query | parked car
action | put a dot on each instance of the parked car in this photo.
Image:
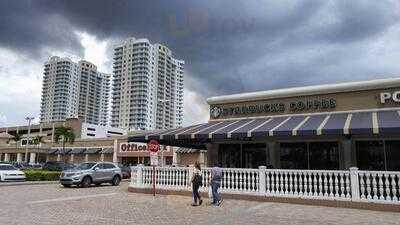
(9, 173)
(20, 165)
(57, 166)
(89, 173)
(125, 170)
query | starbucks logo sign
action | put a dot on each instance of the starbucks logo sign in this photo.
(216, 112)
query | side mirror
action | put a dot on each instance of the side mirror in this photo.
(96, 168)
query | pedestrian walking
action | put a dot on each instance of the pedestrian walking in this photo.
(215, 180)
(197, 181)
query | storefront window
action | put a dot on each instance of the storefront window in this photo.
(229, 155)
(323, 156)
(129, 161)
(168, 160)
(293, 155)
(254, 155)
(370, 155)
(392, 150)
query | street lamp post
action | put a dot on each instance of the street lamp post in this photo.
(29, 119)
(162, 150)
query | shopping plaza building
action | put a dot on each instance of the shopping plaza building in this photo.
(333, 126)
(92, 143)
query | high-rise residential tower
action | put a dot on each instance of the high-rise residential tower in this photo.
(147, 86)
(74, 90)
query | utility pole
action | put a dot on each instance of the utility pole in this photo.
(162, 151)
(29, 119)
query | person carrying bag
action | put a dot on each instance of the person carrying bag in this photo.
(197, 182)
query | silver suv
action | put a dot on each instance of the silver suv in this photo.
(89, 173)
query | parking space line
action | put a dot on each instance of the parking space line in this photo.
(71, 198)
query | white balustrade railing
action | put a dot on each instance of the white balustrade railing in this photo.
(323, 184)
(379, 186)
(346, 185)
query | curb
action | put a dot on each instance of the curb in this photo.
(6, 184)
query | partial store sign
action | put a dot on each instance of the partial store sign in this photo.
(138, 147)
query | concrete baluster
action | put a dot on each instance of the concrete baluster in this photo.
(336, 180)
(380, 183)
(394, 190)
(374, 186)
(295, 183)
(325, 184)
(387, 184)
(347, 182)
(341, 180)
(320, 193)
(300, 183)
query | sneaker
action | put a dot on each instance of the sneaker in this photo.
(194, 204)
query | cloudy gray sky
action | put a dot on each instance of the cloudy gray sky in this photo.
(229, 46)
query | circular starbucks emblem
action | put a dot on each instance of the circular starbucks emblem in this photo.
(216, 112)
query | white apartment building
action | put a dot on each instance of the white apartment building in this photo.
(147, 86)
(74, 90)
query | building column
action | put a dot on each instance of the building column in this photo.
(115, 157)
(32, 158)
(202, 158)
(6, 157)
(58, 157)
(71, 158)
(175, 160)
(86, 157)
(346, 161)
(212, 154)
(274, 154)
(102, 157)
(19, 157)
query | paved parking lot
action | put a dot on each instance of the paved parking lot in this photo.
(53, 204)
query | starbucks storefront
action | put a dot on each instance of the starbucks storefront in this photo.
(325, 127)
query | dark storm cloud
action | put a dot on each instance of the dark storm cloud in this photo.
(229, 46)
(26, 27)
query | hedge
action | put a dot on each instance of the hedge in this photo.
(41, 175)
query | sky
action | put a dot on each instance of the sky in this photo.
(228, 46)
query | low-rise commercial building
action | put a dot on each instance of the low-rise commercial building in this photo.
(333, 126)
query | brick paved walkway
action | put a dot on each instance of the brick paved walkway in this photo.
(52, 204)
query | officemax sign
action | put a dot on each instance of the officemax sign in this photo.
(137, 147)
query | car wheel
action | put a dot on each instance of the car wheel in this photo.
(66, 185)
(116, 180)
(86, 182)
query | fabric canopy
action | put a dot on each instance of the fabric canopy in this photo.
(107, 151)
(92, 150)
(187, 150)
(60, 151)
(77, 151)
(345, 123)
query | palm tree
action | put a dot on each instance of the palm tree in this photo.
(16, 137)
(37, 140)
(65, 135)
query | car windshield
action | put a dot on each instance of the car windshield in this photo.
(85, 166)
(7, 167)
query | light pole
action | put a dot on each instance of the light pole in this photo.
(162, 150)
(29, 119)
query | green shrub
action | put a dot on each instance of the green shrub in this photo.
(41, 175)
